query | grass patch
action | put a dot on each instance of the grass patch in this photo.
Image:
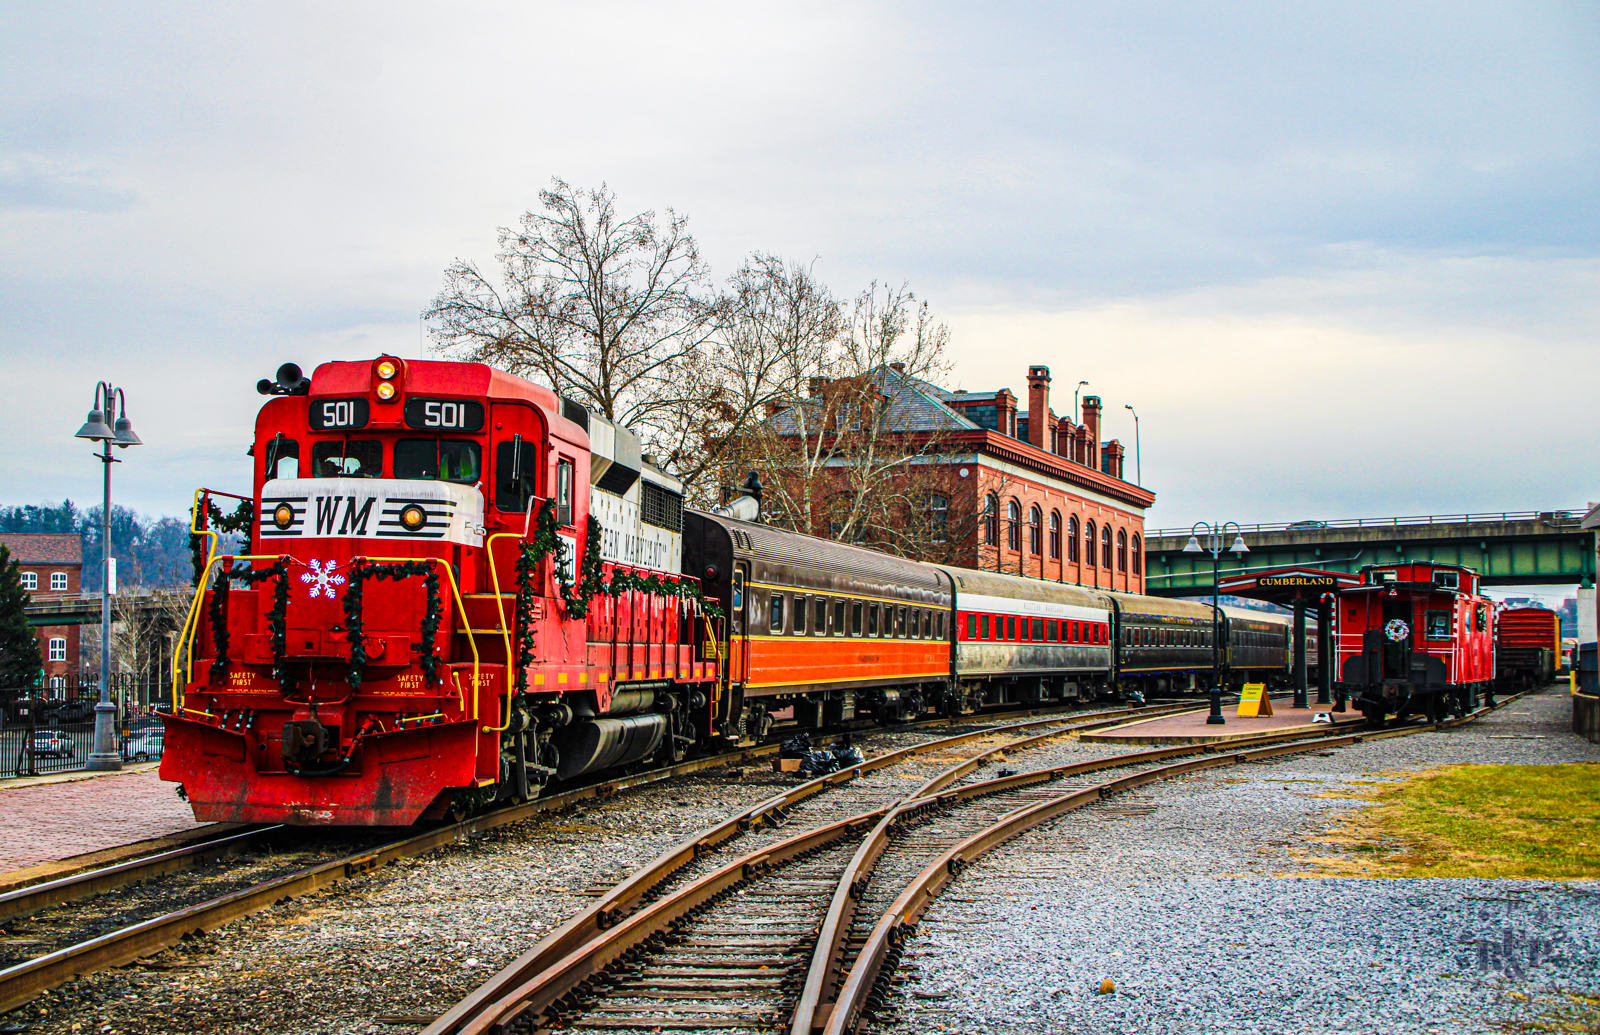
(1530, 821)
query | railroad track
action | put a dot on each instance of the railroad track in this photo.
(803, 933)
(21, 982)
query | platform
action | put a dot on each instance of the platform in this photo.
(47, 820)
(1191, 727)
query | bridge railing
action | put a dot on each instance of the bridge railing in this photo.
(1554, 517)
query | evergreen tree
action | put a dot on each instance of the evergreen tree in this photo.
(19, 647)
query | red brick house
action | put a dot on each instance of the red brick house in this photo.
(51, 567)
(1049, 496)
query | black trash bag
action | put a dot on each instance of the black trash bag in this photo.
(797, 746)
(846, 755)
(818, 763)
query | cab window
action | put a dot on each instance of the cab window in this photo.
(516, 474)
(564, 492)
(440, 459)
(361, 458)
(283, 458)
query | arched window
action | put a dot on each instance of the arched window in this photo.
(1072, 538)
(1035, 531)
(1055, 535)
(1138, 556)
(939, 517)
(1105, 547)
(1089, 549)
(991, 519)
(1013, 525)
(1122, 550)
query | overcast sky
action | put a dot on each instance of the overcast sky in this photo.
(1342, 257)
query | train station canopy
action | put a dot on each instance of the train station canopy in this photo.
(1287, 586)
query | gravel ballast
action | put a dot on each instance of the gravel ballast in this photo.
(384, 953)
(1177, 893)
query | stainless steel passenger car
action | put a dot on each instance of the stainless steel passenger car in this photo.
(1020, 639)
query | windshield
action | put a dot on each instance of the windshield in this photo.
(358, 459)
(445, 459)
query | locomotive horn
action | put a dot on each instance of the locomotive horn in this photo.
(264, 386)
(292, 380)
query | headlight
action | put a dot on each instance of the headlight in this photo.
(413, 518)
(387, 370)
(283, 516)
(385, 391)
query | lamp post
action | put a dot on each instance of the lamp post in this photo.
(1077, 418)
(107, 401)
(1215, 534)
(1138, 456)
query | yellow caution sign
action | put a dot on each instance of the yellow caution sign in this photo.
(1254, 702)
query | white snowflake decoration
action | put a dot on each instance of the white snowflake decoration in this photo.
(323, 580)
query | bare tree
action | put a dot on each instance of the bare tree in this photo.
(849, 448)
(776, 323)
(611, 311)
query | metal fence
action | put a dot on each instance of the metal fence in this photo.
(50, 729)
(1555, 517)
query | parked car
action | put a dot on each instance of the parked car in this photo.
(1309, 524)
(142, 747)
(53, 744)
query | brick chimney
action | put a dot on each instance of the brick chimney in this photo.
(1111, 458)
(1039, 407)
(815, 385)
(1065, 431)
(1091, 428)
(1005, 405)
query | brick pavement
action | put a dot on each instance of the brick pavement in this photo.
(45, 822)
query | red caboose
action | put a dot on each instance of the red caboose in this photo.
(1415, 638)
(457, 588)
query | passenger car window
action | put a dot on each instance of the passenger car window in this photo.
(1011, 628)
(820, 627)
(362, 458)
(872, 619)
(983, 627)
(839, 628)
(775, 623)
(855, 619)
(1038, 629)
(938, 627)
(441, 459)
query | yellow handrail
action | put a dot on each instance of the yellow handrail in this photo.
(472, 640)
(191, 624)
(494, 580)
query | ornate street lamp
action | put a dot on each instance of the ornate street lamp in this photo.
(107, 401)
(1215, 535)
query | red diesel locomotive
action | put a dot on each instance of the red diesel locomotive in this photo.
(1415, 639)
(457, 586)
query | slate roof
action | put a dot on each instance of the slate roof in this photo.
(43, 548)
(914, 405)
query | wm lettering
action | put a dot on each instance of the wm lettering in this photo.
(355, 517)
(355, 521)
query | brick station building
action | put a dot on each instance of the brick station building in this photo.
(52, 568)
(1049, 497)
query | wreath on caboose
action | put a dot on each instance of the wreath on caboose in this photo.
(1397, 629)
